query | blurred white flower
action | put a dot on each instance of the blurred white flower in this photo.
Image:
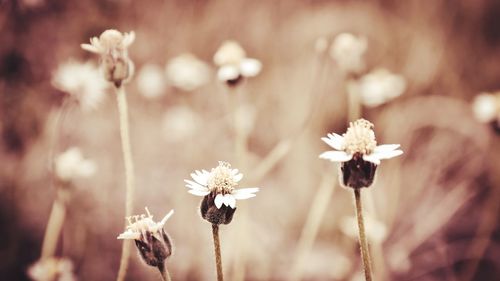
(378, 87)
(486, 107)
(82, 81)
(376, 231)
(180, 123)
(187, 72)
(151, 81)
(321, 44)
(71, 164)
(347, 50)
(138, 226)
(112, 46)
(221, 182)
(358, 141)
(52, 269)
(233, 63)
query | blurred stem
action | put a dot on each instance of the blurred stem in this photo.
(129, 174)
(313, 222)
(218, 259)
(165, 275)
(354, 101)
(54, 226)
(363, 244)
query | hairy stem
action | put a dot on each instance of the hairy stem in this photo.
(129, 174)
(218, 259)
(363, 244)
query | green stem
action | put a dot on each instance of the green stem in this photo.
(363, 244)
(218, 259)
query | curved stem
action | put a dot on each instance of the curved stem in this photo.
(129, 174)
(218, 259)
(363, 244)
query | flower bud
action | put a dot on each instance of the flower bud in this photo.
(214, 215)
(357, 173)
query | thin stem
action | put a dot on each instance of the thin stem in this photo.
(54, 226)
(165, 275)
(129, 174)
(218, 259)
(363, 244)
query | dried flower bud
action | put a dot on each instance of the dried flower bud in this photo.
(151, 240)
(112, 45)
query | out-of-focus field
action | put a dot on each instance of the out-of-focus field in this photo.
(435, 208)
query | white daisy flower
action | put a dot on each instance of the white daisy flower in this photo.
(378, 87)
(486, 107)
(358, 141)
(139, 225)
(52, 269)
(113, 46)
(221, 181)
(151, 82)
(187, 72)
(71, 165)
(233, 63)
(82, 81)
(347, 50)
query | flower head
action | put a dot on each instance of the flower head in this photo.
(378, 87)
(151, 240)
(187, 72)
(219, 190)
(113, 46)
(347, 50)
(233, 63)
(71, 164)
(52, 269)
(82, 81)
(486, 107)
(358, 153)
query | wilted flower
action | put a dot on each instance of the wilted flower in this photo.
(187, 72)
(71, 164)
(358, 153)
(486, 107)
(233, 63)
(347, 50)
(378, 87)
(82, 81)
(151, 81)
(113, 46)
(52, 269)
(180, 123)
(151, 240)
(218, 189)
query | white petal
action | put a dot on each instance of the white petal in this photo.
(195, 186)
(90, 48)
(167, 216)
(198, 192)
(334, 140)
(245, 193)
(230, 201)
(227, 73)
(238, 177)
(336, 156)
(129, 235)
(386, 147)
(250, 67)
(371, 158)
(219, 199)
(201, 177)
(387, 154)
(129, 38)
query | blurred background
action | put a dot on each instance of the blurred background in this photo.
(433, 212)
